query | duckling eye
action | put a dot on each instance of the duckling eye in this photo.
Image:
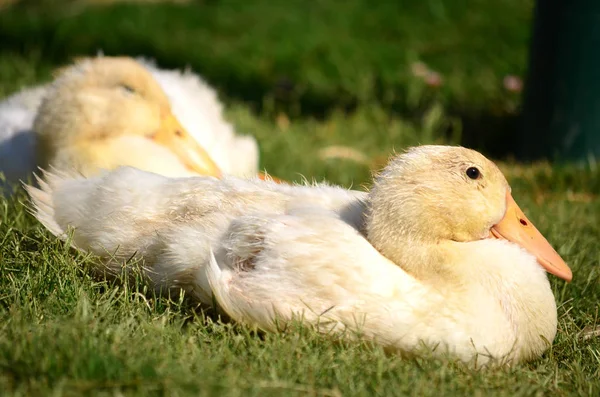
(473, 173)
(127, 88)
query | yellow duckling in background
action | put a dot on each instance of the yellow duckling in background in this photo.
(437, 254)
(107, 112)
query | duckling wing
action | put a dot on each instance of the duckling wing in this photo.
(118, 208)
(309, 265)
(17, 140)
(172, 223)
(122, 210)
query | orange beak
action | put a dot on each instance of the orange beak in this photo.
(517, 228)
(173, 136)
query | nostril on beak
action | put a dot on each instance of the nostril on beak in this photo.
(178, 133)
(523, 222)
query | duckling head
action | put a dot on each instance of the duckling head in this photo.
(96, 101)
(432, 194)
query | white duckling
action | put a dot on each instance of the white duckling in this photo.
(91, 85)
(411, 264)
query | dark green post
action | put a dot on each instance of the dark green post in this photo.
(561, 110)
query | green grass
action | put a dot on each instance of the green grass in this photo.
(308, 60)
(333, 51)
(65, 333)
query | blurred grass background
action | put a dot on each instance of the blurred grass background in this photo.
(308, 79)
(303, 59)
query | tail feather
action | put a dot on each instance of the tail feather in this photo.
(42, 200)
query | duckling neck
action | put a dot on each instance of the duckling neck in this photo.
(421, 248)
(421, 256)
